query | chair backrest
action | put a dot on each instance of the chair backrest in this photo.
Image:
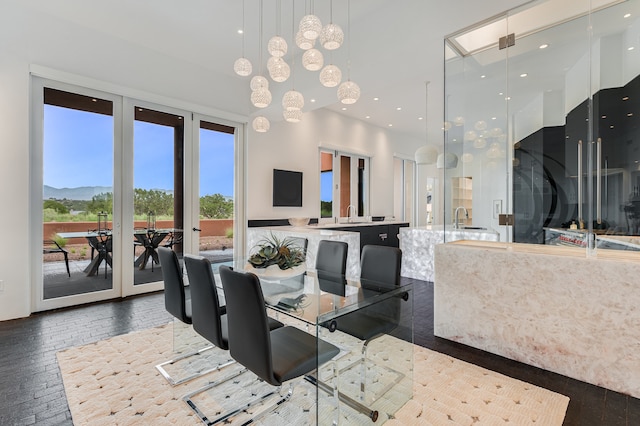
(174, 295)
(249, 339)
(206, 313)
(299, 242)
(380, 266)
(332, 256)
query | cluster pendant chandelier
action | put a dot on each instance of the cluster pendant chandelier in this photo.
(310, 33)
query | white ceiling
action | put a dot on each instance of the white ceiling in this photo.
(395, 47)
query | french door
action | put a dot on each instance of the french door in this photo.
(117, 178)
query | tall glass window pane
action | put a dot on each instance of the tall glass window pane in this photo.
(217, 144)
(77, 194)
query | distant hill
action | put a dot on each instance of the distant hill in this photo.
(79, 193)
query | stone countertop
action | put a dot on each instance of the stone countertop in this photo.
(357, 224)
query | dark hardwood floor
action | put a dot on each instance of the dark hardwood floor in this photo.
(31, 390)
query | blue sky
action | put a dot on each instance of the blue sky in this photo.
(78, 151)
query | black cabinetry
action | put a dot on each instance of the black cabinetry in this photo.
(381, 235)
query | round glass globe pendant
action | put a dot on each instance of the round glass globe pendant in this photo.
(292, 100)
(348, 92)
(304, 43)
(261, 124)
(331, 37)
(279, 70)
(261, 98)
(292, 116)
(277, 46)
(242, 67)
(310, 26)
(259, 82)
(312, 60)
(330, 76)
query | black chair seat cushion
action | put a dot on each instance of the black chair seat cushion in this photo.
(294, 353)
(365, 327)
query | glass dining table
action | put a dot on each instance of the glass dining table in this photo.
(372, 324)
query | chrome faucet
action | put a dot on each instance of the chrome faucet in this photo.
(351, 206)
(456, 222)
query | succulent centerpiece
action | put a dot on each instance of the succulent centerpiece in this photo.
(275, 251)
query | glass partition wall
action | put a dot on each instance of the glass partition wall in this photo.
(542, 138)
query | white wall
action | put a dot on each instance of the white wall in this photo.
(296, 147)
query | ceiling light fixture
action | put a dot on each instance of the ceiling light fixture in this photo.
(310, 25)
(312, 60)
(349, 92)
(261, 124)
(261, 96)
(543, 46)
(292, 100)
(426, 154)
(330, 76)
(242, 66)
(331, 36)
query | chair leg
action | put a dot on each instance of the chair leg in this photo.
(66, 262)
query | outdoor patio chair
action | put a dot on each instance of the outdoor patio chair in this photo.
(51, 246)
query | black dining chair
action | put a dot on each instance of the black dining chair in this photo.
(177, 301)
(275, 356)
(331, 266)
(52, 246)
(380, 272)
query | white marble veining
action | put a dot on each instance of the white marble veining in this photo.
(554, 309)
(417, 245)
(313, 236)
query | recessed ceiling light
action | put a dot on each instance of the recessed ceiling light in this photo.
(420, 118)
(629, 114)
(543, 46)
(604, 116)
(626, 15)
(312, 100)
(390, 125)
(500, 94)
(455, 140)
(399, 108)
(524, 74)
(367, 116)
(240, 31)
(483, 76)
(626, 98)
(508, 98)
(611, 127)
(376, 99)
(344, 108)
(494, 118)
(630, 48)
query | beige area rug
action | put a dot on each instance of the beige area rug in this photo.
(115, 382)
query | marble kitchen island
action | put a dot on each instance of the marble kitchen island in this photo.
(418, 244)
(547, 306)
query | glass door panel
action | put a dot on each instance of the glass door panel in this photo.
(216, 191)
(77, 194)
(476, 131)
(326, 184)
(158, 190)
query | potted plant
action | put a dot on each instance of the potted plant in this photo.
(274, 251)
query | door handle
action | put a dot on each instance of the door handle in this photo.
(196, 229)
(599, 181)
(579, 181)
